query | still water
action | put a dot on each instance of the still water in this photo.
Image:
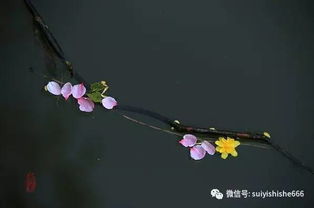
(242, 66)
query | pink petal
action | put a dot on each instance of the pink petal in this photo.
(109, 102)
(54, 88)
(188, 140)
(197, 152)
(66, 90)
(86, 105)
(78, 91)
(208, 147)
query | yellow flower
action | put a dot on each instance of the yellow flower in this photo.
(227, 146)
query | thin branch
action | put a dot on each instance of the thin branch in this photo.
(213, 132)
(150, 126)
(50, 39)
(243, 142)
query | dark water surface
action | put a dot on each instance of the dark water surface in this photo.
(245, 65)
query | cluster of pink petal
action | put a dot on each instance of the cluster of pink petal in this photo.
(197, 151)
(78, 91)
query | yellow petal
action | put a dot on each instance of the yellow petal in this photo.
(234, 153)
(218, 149)
(224, 155)
(230, 139)
(219, 143)
(223, 140)
(236, 143)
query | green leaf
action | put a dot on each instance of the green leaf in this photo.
(95, 96)
(97, 87)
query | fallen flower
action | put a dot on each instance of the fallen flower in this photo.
(109, 102)
(197, 152)
(78, 91)
(66, 90)
(188, 140)
(53, 88)
(208, 147)
(226, 147)
(86, 105)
